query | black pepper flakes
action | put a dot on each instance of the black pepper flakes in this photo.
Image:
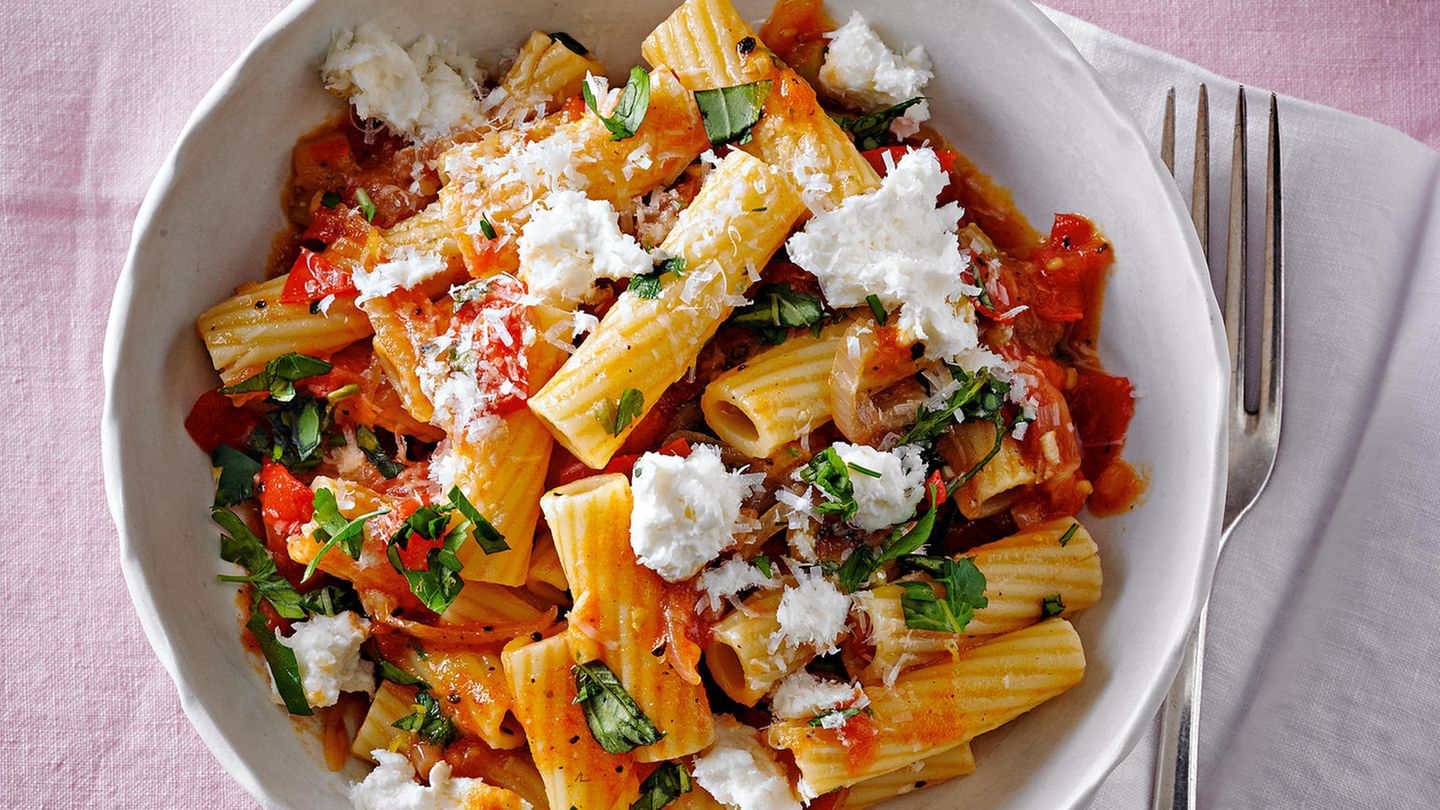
(575, 739)
(745, 46)
(453, 697)
(261, 304)
(537, 636)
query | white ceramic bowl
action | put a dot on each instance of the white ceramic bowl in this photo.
(1010, 91)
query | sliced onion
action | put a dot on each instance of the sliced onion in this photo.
(871, 359)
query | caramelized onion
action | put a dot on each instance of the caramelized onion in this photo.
(871, 359)
(381, 606)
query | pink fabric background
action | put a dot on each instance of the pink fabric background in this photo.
(93, 101)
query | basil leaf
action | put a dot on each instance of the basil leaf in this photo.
(776, 309)
(962, 588)
(486, 228)
(877, 308)
(829, 473)
(236, 481)
(279, 376)
(438, 583)
(330, 600)
(648, 285)
(427, 721)
(616, 416)
(490, 540)
(1069, 533)
(614, 720)
(395, 674)
(763, 563)
(281, 660)
(240, 546)
(334, 530)
(625, 121)
(865, 561)
(383, 462)
(367, 205)
(296, 430)
(664, 785)
(570, 42)
(872, 131)
(729, 113)
(1051, 606)
(979, 397)
(329, 199)
(865, 471)
(844, 714)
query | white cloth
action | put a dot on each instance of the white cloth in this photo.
(1322, 677)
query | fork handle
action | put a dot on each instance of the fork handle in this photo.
(1176, 764)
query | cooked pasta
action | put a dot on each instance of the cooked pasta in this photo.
(714, 439)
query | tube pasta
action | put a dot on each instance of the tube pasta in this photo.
(1020, 572)
(992, 489)
(619, 614)
(957, 761)
(739, 656)
(742, 214)
(471, 685)
(546, 578)
(377, 731)
(545, 72)
(577, 772)
(933, 709)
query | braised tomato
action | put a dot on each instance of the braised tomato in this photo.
(1066, 270)
(215, 420)
(312, 278)
(492, 324)
(286, 503)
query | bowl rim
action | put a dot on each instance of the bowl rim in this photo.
(183, 151)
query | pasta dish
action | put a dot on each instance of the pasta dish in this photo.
(714, 439)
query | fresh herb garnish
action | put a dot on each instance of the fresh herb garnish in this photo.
(865, 471)
(1069, 534)
(490, 540)
(625, 121)
(369, 444)
(367, 205)
(729, 113)
(962, 587)
(390, 672)
(648, 285)
(236, 481)
(617, 415)
(872, 131)
(763, 563)
(239, 545)
(831, 475)
(486, 228)
(777, 309)
(284, 669)
(280, 375)
(329, 199)
(296, 430)
(843, 714)
(333, 529)
(664, 785)
(438, 583)
(865, 561)
(570, 42)
(426, 721)
(877, 308)
(977, 267)
(979, 397)
(330, 600)
(615, 721)
(1051, 606)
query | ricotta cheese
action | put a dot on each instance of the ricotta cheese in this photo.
(812, 612)
(392, 786)
(801, 696)
(327, 649)
(741, 772)
(867, 76)
(686, 510)
(890, 498)
(427, 92)
(404, 269)
(570, 242)
(728, 579)
(895, 244)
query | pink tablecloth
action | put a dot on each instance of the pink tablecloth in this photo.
(93, 100)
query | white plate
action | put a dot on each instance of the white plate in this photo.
(1010, 91)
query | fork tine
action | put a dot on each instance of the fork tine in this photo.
(1200, 182)
(1272, 345)
(1236, 251)
(1167, 133)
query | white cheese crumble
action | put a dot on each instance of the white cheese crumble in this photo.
(741, 772)
(890, 498)
(570, 242)
(894, 243)
(686, 510)
(801, 695)
(327, 649)
(425, 93)
(812, 612)
(406, 267)
(728, 579)
(392, 786)
(864, 74)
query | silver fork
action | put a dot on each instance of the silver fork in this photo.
(1254, 433)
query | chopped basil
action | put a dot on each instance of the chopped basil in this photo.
(369, 444)
(979, 397)
(239, 545)
(962, 588)
(367, 205)
(877, 308)
(280, 375)
(648, 285)
(777, 309)
(334, 529)
(729, 113)
(831, 475)
(330, 600)
(490, 540)
(284, 669)
(570, 42)
(438, 583)
(865, 561)
(872, 131)
(296, 429)
(329, 199)
(616, 416)
(614, 720)
(977, 266)
(1051, 606)
(625, 121)
(390, 672)
(865, 471)
(236, 481)
(763, 563)
(486, 228)
(427, 722)
(342, 393)
(664, 785)
(844, 714)
(1069, 533)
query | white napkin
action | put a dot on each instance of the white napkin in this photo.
(1322, 678)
